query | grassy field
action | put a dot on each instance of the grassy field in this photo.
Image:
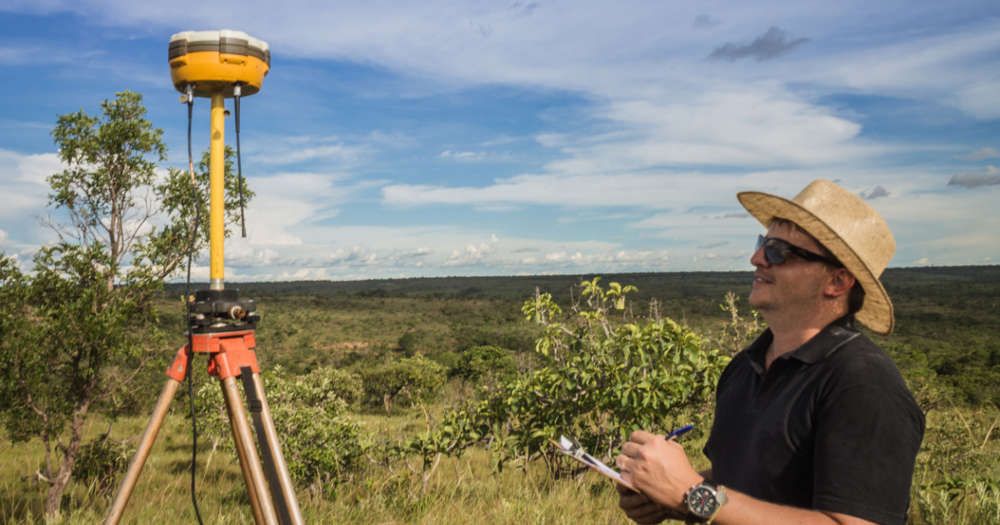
(946, 343)
(952, 483)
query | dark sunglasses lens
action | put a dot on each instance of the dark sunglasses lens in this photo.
(775, 251)
(775, 255)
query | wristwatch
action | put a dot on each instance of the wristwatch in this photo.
(704, 501)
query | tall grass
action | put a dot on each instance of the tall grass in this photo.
(955, 482)
(462, 490)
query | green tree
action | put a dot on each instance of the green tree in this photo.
(607, 375)
(485, 362)
(175, 197)
(88, 306)
(411, 378)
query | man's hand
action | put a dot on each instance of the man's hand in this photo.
(641, 510)
(659, 468)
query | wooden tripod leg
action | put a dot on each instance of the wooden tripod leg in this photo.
(253, 474)
(145, 445)
(271, 435)
(258, 517)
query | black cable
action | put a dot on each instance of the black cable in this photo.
(239, 164)
(187, 306)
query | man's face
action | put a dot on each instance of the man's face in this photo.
(790, 289)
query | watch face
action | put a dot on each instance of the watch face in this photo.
(702, 502)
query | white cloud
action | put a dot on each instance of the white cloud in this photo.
(296, 150)
(980, 154)
(652, 260)
(951, 68)
(23, 55)
(393, 139)
(242, 255)
(361, 255)
(462, 155)
(653, 189)
(286, 201)
(980, 99)
(22, 177)
(747, 125)
(473, 255)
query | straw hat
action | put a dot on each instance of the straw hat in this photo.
(847, 226)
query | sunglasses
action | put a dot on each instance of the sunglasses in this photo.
(776, 251)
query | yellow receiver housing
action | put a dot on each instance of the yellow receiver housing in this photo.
(215, 61)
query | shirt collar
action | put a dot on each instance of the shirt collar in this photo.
(814, 350)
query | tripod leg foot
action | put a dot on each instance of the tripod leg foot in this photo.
(253, 474)
(145, 445)
(285, 486)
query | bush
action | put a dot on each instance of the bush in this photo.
(411, 379)
(100, 461)
(324, 386)
(320, 442)
(606, 377)
(410, 342)
(449, 360)
(484, 362)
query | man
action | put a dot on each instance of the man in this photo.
(813, 422)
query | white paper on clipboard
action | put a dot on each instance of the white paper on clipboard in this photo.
(572, 449)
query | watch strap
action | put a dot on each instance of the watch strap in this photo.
(720, 499)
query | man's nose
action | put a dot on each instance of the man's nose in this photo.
(759, 258)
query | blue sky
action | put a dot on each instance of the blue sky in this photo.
(406, 139)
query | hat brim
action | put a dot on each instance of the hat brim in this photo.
(877, 312)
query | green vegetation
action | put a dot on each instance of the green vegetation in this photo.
(604, 375)
(457, 439)
(84, 308)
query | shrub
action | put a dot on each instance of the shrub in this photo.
(487, 362)
(320, 442)
(606, 377)
(449, 360)
(411, 378)
(410, 342)
(100, 461)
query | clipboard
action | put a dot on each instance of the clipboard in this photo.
(571, 447)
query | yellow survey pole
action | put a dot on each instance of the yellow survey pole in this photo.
(216, 179)
(219, 65)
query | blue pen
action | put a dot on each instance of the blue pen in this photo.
(679, 432)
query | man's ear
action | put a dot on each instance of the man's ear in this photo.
(839, 283)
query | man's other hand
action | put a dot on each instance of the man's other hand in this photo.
(641, 510)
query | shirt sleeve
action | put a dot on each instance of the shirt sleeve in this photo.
(867, 439)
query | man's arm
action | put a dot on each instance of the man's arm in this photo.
(744, 510)
(661, 471)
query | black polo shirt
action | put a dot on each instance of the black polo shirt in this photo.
(830, 426)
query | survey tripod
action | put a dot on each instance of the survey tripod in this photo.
(219, 65)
